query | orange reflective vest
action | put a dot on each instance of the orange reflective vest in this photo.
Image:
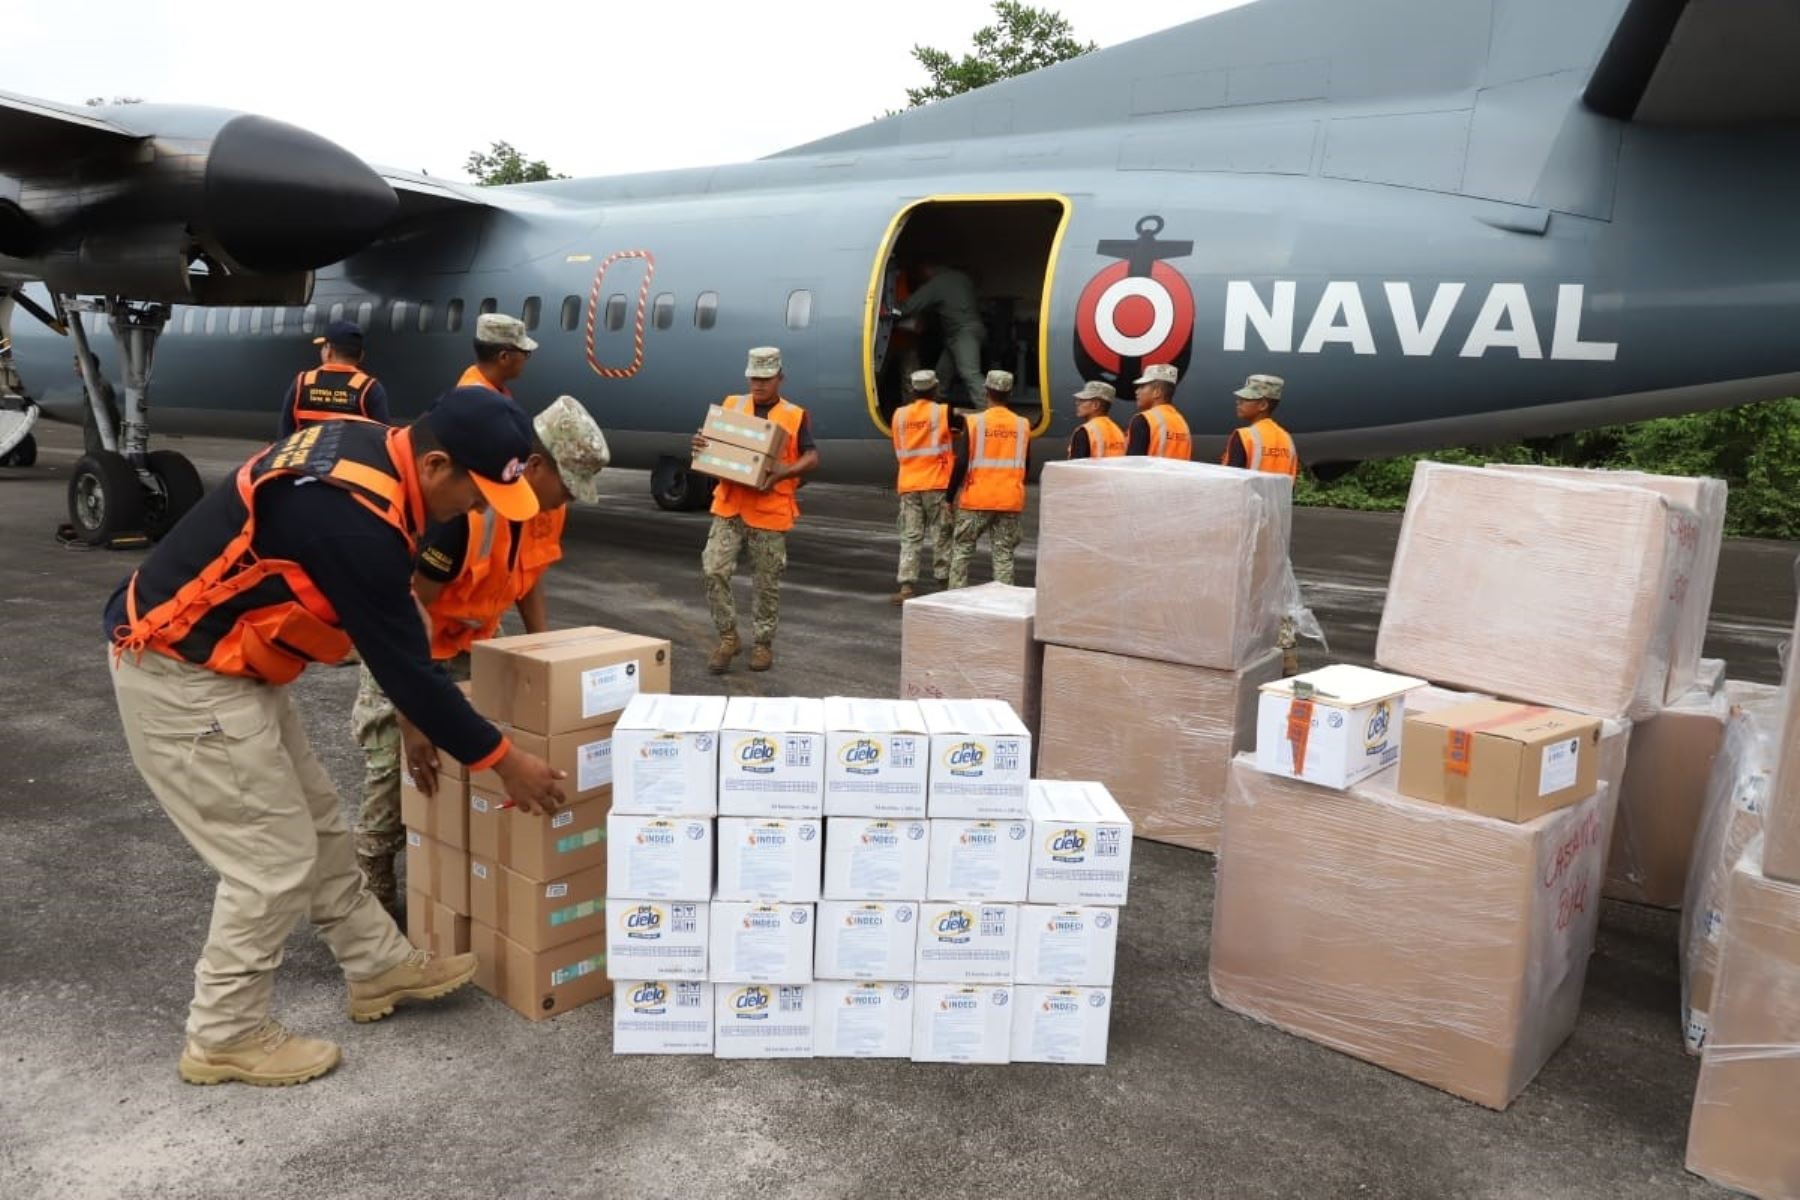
(999, 443)
(493, 578)
(776, 508)
(1105, 438)
(922, 444)
(264, 618)
(328, 392)
(1267, 447)
(472, 377)
(1168, 433)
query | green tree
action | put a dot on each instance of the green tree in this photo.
(503, 163)
(1022, 39)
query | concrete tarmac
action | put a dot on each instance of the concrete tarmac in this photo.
(103, 908)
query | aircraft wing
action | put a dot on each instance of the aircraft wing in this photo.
(35, 131)
(423, 195)
(1700, 62)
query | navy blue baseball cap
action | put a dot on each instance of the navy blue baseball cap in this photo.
(342, 335)
(491, 437)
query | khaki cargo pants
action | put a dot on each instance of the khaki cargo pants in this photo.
(229, 761)
(376, 728)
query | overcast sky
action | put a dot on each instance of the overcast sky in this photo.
(594, 88)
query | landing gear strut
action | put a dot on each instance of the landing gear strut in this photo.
(18, 411)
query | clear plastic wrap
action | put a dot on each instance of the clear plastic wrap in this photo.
(1174, 561)
(1781, 831)
(1745, 1131)
(1561, 593)
(973, 643)
(1445, 946)
(1661, 799)
(1162, 735)
(1737, 791)
(1705, 498)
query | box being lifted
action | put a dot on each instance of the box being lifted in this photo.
(567, 679)
(1346, 729)
(741, 447)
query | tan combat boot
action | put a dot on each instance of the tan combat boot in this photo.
(267, 1056)
(423, 976)
(729, 648)
(762, 656)
(905, 593)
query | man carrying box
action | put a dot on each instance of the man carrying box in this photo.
(471, 570)
(923, 433)
(759, 519)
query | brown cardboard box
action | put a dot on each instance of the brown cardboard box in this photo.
(540, 985)
(734, 464)
(1444, 945)
(1661, 799)
(973, 643)
(1511, 761)
(1154, 558)
(1161, 735)
(1745, 1132)
(566, 680)
(1781, 828)
(586, 755)
(535, 845)
(745, 430)
(444, 816)
(534, 913)
(435, 926)
(439, 871)
(1533, 588)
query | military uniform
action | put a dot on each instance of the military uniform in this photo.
(952, 295)
(1262, 445)
(993, 488)
(1159, 430)
(922, 433)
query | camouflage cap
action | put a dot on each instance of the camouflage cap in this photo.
(1159, 373)
(574, 440)
(924, 381)
(1093, 389)
(765, 363)
(1260, 387)
(498, 329)
(999, 381)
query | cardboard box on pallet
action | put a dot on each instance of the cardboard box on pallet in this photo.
(1080, 844)
(567, 679)
(662, 1016)
(540, 984)
(1662, 798)
(535, 913)
(763, 1020)
(666, 756)
(440, 871)
(1443, 945)
(1348, 729)
(1067, 945)
(443, 816)
(770, 859)
(659, 858)
(964, 942)
(1166, 732)
(537, 845)
(962, 1022)
(1061, 1024)
(877, 757)
(664, 938)
(974, 643)
(772, 757)
(980, 760)
(435, 926)
(760, 943)
(979, 860)
(586, 756)
(1509, 761)
(872, 858)
(866, 939)
(862, 1020)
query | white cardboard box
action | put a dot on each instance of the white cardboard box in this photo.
(1080, 844)
(666, 756)
(772, 757)
(662, 1016)
(962, 1023)
(866, 939)
(769, 859)
(761, 943)
(875, 858)
(1060, 1024)
(862, 1020)
(763, 1020)
(1349, 730)
(979, 860)
(877, 758)
(980, 759)
(1067, 946)
(659, 939)
(659, 858)
(966, 942)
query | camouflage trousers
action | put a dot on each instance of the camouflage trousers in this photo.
(376, 727)
(1003, 533)
(768, 559)
(923, 515)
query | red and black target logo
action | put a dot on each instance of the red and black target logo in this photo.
(1136, 311)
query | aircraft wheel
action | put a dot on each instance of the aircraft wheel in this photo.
(677, 489)
(22, 455)
(106, 498)
(181, 489)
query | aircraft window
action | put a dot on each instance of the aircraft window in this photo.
(337, 311)
(256, 320)
(706, 310)
(424, 316)
(615, 312)
(212, 320)
(662, 314)
(235, 322)
(488, 305)
(799, 311)
(277, 320)
(309, 317)
(365, 312)
(534, 307)
(397, 317)
(453, 316)
(571, 312)
(187, 321)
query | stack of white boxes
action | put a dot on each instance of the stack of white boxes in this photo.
(890, 884)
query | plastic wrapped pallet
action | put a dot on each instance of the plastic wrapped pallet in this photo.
(1154, 558)
(1781, 829)
(1537, 589)
(973, 643)
(1705, 498)
(1745, 1132)
(1737, 792)
(1661, 799)
(1446, 946)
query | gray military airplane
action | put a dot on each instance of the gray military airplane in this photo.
(1444, 221)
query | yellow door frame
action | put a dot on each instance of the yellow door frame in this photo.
(872, 302)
